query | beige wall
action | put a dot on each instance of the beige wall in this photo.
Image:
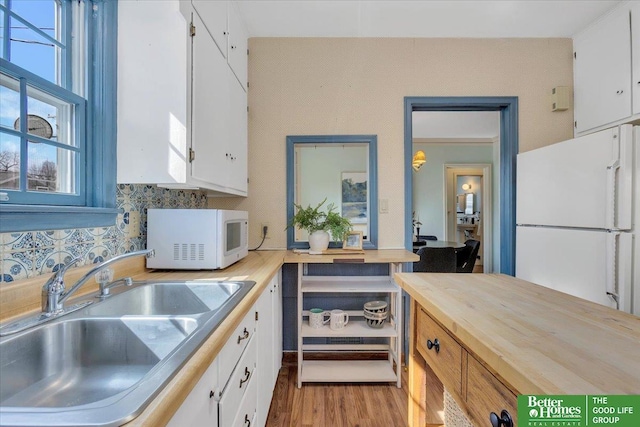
(357, 86)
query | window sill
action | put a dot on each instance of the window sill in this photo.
(16, 218)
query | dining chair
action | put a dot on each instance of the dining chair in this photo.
(466, 257)
(436, 260)
(427, 238)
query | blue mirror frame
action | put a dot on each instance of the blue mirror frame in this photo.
(372, 142)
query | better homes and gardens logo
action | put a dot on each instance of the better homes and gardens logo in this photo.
(579, 411)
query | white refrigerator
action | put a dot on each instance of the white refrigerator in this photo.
(578, 209)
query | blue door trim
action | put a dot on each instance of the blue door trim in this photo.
(508, 108)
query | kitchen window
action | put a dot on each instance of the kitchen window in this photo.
(57, 113)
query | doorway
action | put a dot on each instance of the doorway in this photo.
(508, 109)
(468, 208)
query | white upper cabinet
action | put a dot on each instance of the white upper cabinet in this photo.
(222, 21)
(635, 55)
(237, 46)
(214, 16)
(182, 113)
(602, 72)
(210, 130)
(236, 151)
(152, 93)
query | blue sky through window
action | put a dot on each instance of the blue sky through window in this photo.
(34, 53)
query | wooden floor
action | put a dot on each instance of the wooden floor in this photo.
(336, 405)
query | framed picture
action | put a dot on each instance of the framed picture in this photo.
(353, 241)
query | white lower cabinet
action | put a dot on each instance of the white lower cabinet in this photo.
(269, 336)
(235, 396)
(200, 408)
(236, 389)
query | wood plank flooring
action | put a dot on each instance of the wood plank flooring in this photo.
(336, 405)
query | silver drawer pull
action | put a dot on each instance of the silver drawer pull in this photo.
(243, 336)
(247, 374)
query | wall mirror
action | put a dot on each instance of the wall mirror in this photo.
(340, 168)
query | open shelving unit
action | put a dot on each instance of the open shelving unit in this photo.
(351, 370)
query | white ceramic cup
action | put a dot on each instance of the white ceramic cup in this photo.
(338, 319)
(317, 318)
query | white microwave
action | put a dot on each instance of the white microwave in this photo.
(196, 239)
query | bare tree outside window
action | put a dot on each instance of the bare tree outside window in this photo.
(9, 169)
(42, 176)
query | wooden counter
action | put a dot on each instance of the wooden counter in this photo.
(533, 339)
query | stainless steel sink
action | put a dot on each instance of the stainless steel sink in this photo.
(104, 364)
(167, 299)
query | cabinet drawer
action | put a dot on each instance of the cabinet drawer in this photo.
(236, 389)
(486, 394)
(446, 358)
(247, 416)
(234, 347)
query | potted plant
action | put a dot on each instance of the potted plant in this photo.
(320, 224)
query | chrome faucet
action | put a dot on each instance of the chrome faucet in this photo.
(53, 291)
(105, 288)
(54, 295)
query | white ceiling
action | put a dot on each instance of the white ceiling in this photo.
(424, 18)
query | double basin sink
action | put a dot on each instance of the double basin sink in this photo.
(102, 365)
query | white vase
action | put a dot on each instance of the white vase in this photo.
(318, 241)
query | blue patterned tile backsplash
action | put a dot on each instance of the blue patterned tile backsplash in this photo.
(31, 253)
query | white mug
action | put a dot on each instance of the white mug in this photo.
(338, 319)
(316, 318)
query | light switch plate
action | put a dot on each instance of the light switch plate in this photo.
(384, 206)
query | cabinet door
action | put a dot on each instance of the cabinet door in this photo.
(635, 45)
(602, 72)
(152, 93)
(277, 324)
(199, 408)
(237, 161)
(237, 56)
(210, 113)
(265, 335)
(214, 16)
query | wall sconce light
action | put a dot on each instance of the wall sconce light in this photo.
(419, 159)
(466, 187)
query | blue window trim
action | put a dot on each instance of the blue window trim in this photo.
(372, 141)
(101, 136)
(508, 108)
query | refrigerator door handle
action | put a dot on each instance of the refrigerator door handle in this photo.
(610, 214)
(611, 266)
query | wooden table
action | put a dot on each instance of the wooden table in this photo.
(437, 244)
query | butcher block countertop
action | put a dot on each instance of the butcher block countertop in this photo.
(538, 340)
